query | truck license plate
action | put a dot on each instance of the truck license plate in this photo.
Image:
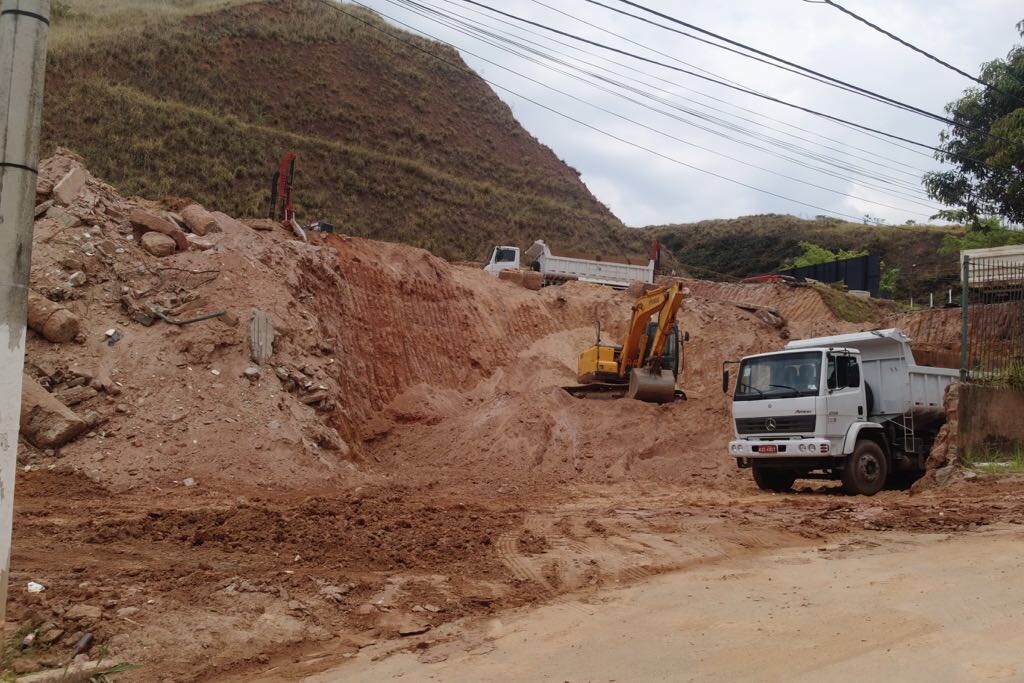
(767, 449)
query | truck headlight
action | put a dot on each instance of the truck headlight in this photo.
(803, 448)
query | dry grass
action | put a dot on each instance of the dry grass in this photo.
(754, 245)
(201, 98)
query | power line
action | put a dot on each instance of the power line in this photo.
(461, 67)
(712, 80)
(704, 94)
(679, 61)
(918, 50)
(412, 4)
(833, 81)
(475, 31)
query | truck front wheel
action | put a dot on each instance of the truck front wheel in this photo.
(773, 479)
(865, 470)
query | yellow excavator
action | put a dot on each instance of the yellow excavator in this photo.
(646, 365)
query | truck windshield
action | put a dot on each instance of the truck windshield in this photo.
(504, 255)
(783, 376)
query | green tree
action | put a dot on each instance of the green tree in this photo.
(887, 281)
(986, 151)
(815, 254)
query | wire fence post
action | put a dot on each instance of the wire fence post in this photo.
(963, 316)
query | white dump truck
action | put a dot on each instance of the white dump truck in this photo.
(854, 407)
(556, 269)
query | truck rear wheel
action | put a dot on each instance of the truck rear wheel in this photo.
(866, 469)
(773, 479)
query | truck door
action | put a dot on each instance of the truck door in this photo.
(844, 402)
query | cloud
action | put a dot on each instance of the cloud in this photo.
(645, 189)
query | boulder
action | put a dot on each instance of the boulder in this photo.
(45, 421)
(158, 244)
(199, 220)
(84, 612)
(533, 280)
(144, 222)
(511, 275)
(50, 319)
(68, 187)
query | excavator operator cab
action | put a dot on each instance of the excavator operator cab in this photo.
(670, 354)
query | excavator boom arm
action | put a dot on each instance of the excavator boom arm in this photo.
(666, 319)
(665, 301)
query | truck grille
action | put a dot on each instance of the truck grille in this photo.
(783, 424)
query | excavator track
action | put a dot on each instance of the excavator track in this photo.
(608, 392)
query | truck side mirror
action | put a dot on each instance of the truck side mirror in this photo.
(725, 381)
(686, 336)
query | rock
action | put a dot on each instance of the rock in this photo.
(533, 280)
(51, 636)
(23, 665)
(261, 336)
(281, 372)
(188, 481)
(77, 279)
(68, 187)
(366, 608)
(511, 275)
(62, 218)
(314, 397)
(75, 395)
(295, 605)
(56, 323)
(158, 244)
(45, 421)
(84, 612)
(126, 612)
(72, 263)
(199, 243)
(251, 372)
(337, 593)
(413, 628)
(944, 475)
(43, 208)
(199, 220)
(261, 224)
(146, 222)
(432, 657)
(431, 608)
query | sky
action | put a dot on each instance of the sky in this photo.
(643, 164)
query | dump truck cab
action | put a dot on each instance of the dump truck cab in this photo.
(502, 258)
(851, 407)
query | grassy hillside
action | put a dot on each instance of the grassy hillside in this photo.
(753, 245)
(200, 99)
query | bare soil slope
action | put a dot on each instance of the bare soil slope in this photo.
(405, 457)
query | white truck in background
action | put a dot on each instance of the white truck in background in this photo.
(557, 269)
(854, 407)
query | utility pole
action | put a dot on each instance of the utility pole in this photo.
(24, 27)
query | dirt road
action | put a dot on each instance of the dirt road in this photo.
(895, 606)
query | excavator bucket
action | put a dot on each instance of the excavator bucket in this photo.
(652, 386)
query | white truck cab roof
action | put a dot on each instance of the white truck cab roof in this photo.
(839, 349)
(873, 345)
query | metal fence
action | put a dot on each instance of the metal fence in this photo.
(992, 320)
(860, 272)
